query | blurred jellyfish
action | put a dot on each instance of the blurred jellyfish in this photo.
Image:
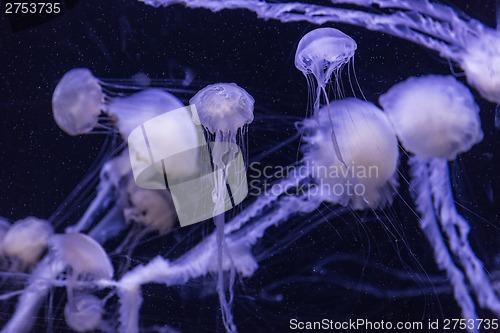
(79, 99)
(84, 262)
(368, 144)
(472, 45)
(436, 118)
(78, 102)
(25, 241)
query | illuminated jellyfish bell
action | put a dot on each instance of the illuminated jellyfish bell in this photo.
(80, 100)
(434, 116)
(25, 241)
(77, 101)
(223, 108)
(368, 145)
(321, 53)
(85, 260)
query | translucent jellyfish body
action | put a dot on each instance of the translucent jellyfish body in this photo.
(80, 100)
(84, 261)
(223, 107)
(77, 101)
(25, 241)
(368, 145)
(322, 52)
(434, 116)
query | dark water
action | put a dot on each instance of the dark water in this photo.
(370, 265)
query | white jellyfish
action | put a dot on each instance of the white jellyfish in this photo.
(25, 241)
(436, 118)
(367, 178)
(322, 53)
(223, 109)
(84, 263)
(80, 99)
(472, 45)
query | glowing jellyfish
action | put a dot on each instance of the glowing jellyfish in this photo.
(436, 118)
(321, 53)
(364, 137)
(79, 99)
(223, 109)
(466, 41)
(368, 144)
(77, 102)
(84, 262)
(25, 241)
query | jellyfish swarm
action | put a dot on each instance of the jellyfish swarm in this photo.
(223, 109)
(321, 53)
(78, 103)
(436, 118)
(466, 41)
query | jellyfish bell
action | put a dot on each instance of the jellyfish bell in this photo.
(83, 255)
(132, 111)
(481, 64)
(369, 146)
(153, 209)
(81, 103)
(77, 101)
(323, 51)
(25, 241)
(434, 116)
(224, 107)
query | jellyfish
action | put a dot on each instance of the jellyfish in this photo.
(321, 53)
(436, 118)
(84, 262)
(464, 40)
(80, 99)
(25, 241)
(223, 109)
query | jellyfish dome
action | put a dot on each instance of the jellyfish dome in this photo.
(434, 116)
(77, 101)
(324, 48)
(369, 147)
(224, 107)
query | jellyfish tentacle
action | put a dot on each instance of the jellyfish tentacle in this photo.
(457, 229)
(422, 186)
